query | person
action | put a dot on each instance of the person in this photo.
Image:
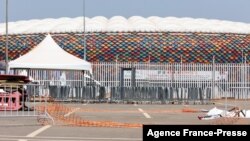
(233, 112)
(23, 99)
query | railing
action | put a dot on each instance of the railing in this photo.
(217, 78)
(148, 74)
(28, 100)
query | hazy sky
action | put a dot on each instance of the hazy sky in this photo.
(233, 10)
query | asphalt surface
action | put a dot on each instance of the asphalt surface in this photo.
(27, 128)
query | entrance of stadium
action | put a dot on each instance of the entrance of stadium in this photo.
(127, 79)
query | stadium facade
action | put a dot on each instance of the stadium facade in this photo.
(136, 39)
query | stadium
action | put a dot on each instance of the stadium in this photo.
(154, 60)
(136, 39)
(183, 58)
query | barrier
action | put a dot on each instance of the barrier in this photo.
(24, 101)
(10, 101)
(131, 94)
(186, 79)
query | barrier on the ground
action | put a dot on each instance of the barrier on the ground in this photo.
(23, 101)
(130, 94)
(10, 101)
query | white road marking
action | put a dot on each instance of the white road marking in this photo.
(84, 104)
(66, 115)
(40, 130)
(144, 113)
(36, 132)
(140, 110)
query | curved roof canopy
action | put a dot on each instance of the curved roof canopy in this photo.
(49, 55)
(121, 24)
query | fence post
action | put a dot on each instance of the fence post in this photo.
(181, 83)
(213, 78)
(133, 80)
(245, 84)
(122, 83)
(116, 71)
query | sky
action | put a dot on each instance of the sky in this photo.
(232, 10)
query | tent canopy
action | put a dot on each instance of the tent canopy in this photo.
(49, 55)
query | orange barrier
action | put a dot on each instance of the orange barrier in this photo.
(129, 111)
(190, 110)
(58, 112)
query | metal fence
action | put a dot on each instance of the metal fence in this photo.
(130, 94)
(181, 80)
(28, 100)
(223, 80)
(56, 77)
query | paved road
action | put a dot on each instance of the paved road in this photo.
(27, 129)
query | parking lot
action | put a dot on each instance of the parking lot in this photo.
(27, 129)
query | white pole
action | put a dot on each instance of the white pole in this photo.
(7, 41)
(245, 84)
(213, 79)
(84, 30)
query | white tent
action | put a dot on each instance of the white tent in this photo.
(49, 55)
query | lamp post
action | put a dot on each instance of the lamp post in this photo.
(84, 29)
(7, 41)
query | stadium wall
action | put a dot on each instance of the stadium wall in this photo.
(157, 47)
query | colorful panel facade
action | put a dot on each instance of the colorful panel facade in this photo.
(141, 47)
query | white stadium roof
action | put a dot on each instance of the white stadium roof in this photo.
(121, 24)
